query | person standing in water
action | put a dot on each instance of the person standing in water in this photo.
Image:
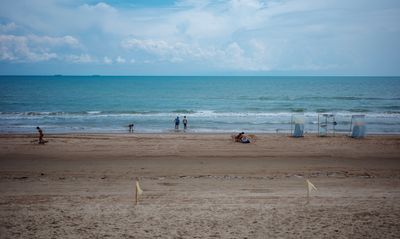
(177, 122)
(131, 128)
(184, 121)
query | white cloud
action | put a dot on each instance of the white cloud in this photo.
(20, 49)
(229, 56)
(54, 41)
(120, 60)
(165, 50)
(192, 3)
(107, 60)
(250, 35)
(83, 58)
(101, 6)
(159, 47)
(8, 27)
(33, 48)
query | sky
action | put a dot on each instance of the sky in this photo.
(191, 37)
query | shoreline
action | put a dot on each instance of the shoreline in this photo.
(287, 134)
(306, 135)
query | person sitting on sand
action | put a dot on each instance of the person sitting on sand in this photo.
(41, 141)
(242, 138)
(237, 137)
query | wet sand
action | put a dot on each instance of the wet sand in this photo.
(199, 186)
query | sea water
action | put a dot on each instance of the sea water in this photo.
(102, 104)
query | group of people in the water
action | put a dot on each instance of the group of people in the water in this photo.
(177, 122)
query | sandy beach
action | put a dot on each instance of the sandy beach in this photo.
(199, 186)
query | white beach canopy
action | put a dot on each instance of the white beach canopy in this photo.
(358, 126)
(326, 124)
(297, 125)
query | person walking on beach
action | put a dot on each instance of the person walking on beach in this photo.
(184, 121)
(40, 131)
(177, 122)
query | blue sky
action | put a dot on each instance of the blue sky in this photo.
(189, 37)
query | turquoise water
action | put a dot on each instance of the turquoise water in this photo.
(212, 104)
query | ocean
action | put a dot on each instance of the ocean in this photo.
(108, 104)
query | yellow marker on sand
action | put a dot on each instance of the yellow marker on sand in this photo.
(138, 192)
(310, 188)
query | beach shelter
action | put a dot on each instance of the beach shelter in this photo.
(358, 126)
(297, 126)
(326, 124)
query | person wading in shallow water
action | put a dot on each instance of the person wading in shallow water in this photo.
(184, 121)
(40, 131)
(177, 123)
(131, 128)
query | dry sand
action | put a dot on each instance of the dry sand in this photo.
(199, 186)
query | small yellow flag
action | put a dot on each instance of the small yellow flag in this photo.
(138, 189)
(310, 186)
